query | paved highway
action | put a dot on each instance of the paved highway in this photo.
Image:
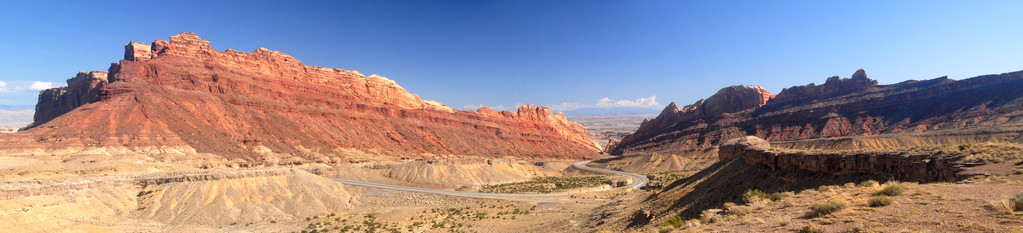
(638, 181)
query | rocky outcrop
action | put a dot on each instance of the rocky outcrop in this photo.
(735, 98)
(840, 107)
(919, 167)
(82, 89)
(832, 87)
(266, 106)
(725, 102)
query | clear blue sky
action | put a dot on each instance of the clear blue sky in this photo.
(538, 52)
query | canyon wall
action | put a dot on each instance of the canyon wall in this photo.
(839, 108)
(266, 106)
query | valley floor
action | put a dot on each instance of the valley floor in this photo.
(688, 192)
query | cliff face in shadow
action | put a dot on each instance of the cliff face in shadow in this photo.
(839, 108)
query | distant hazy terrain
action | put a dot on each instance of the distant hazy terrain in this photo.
(603, 127)
(16, 117)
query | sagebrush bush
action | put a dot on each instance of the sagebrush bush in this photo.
(825, 188)
(868, 183)
(880, 201)
(675, 222)
(829, 207)
(892, 189)
(778, 196)
(750, 194)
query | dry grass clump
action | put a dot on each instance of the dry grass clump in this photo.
(868, 184)
(879, 201)
(988, 152)
(892, 189)
(1010, 206)
(829, 207)
(811, 229)
(752, 194)
(1002, 206)
(779, 196)
(826, 188)
(997, 180)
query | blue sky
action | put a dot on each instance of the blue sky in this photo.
(564, 54)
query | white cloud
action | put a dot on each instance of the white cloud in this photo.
(39, 85)
(495, 108)
(566, 106)
(3, 86)
(648, 102)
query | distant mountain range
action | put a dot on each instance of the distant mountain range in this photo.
(17, 107)
(17, 118)
(856, 106)
(610, 111)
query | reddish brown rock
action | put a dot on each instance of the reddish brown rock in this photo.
(82, 89)
(840, 107)
(184, 94)
(735, 98)
(727, 101)
(919, 167)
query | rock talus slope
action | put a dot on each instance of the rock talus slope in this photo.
(840, 107)
(266, 106)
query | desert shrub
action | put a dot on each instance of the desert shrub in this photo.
(997, 180)
(868, 183)
(709, 217)
(880, 201)
(754, 193)
(1002, 206)
(740, 210)
(964, 147)
(811, 229)
(1018, 202)
(825, 188)
(674, 223)
(829, 207)
(778, 196)
(728, 205)
(892, 189)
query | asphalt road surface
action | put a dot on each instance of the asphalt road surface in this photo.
(638, 181)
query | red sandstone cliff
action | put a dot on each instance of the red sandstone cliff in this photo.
(839, 107)
(264, 105)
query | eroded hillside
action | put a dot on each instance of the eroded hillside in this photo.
(855, 106)
(183, 97)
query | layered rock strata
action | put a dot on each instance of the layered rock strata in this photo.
(840, 107)
(919, 167)
(267, 106)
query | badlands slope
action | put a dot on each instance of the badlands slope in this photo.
(958, 110)
(183, 97)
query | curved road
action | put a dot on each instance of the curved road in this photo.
(638, 181)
